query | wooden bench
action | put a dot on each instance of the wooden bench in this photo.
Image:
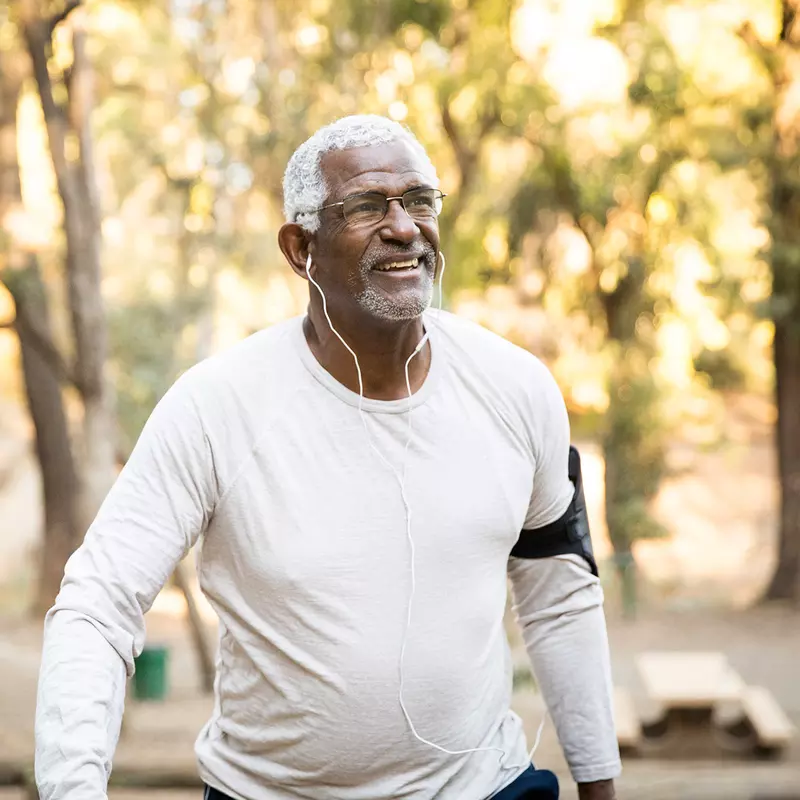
(687, 688)
(772, 727)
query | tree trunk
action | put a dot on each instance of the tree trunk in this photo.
(85, 296)
(77, 187)
(633, 434)
(621, 434)
(53, 448)
(785, 584)
(42, 366)
(202, 642)
(10, 191)
(784, 217)
(618, 445)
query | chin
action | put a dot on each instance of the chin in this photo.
(393, 309)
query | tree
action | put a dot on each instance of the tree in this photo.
(606, 197)
(782, 64)
(199, 106)
(77, 187)
(41, 364)
(608, 170)
(77, 470)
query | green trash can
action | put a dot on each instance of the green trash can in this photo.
(150, 677)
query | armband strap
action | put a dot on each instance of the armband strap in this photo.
(567, 535)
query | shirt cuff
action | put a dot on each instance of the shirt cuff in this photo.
(599, 772)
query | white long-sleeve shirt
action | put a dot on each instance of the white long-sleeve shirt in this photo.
(260, 456)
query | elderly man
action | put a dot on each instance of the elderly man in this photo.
(356, 480)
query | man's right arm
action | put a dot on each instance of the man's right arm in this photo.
(160, 503)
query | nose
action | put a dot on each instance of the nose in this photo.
(397, 225)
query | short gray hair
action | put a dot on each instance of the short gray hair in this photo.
(304, 186)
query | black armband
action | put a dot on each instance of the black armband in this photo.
(569, 533)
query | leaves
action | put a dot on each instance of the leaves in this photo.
(599, 165)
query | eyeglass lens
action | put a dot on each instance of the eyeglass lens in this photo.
(368, 207)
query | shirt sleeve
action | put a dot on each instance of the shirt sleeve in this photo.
(157, 508)
(558, 603)
(549, 425)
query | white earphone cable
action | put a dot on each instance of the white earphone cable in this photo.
(401, 480)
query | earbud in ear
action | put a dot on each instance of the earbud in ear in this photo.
(441, 279)
(308, 265)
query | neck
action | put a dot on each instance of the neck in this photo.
(382, 350)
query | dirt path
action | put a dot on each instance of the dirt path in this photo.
(720, 507)
(763, 645)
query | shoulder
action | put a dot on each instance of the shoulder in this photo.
(232, 400)
(251, 372)
(259, 351)
(247, 360)
(516, 384)
(510, 368)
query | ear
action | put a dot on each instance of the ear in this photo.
(296, 243)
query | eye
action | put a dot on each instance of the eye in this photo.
(365, 205)
(421, 199)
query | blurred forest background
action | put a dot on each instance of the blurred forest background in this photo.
(624, 200)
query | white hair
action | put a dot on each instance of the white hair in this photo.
(304, 187)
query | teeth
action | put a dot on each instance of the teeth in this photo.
(413, 262)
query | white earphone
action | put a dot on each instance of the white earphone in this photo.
(400, 477)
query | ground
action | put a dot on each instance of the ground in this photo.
(719, 504)
(763, 644)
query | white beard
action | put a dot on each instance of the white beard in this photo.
(400, 307)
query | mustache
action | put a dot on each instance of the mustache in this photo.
(424, 251)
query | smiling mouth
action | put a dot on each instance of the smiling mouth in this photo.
(409, 264)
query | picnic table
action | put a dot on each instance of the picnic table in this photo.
(703, 709)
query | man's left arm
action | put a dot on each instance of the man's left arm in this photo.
(559, 604)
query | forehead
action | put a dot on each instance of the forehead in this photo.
(391, 167)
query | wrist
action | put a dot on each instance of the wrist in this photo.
(596, 790)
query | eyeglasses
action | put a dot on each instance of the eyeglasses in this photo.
(367, 208)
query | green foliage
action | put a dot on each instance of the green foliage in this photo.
(595, 190)
(430, 15)
(143, 368)
(523, 678)
(722, 369)
(633, 445)
(201, 105)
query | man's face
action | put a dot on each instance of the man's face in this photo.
(384, 269)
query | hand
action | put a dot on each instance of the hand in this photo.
(597, 790)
